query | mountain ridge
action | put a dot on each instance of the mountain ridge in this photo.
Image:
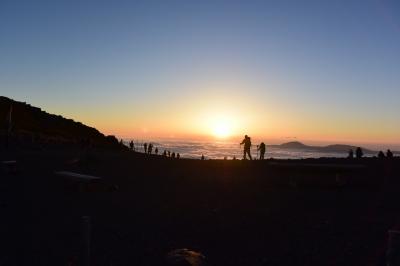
(32, 124)
(328, 148)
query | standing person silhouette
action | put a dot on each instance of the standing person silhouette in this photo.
(145, 147)
(359, 153)
(150, 148)
(389, 154)
(261, 148)
(247, 145)
(351, 154)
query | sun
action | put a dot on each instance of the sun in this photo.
(222, 128)
(219, 124)
(222, 131)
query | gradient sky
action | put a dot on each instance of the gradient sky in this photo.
(320, 70)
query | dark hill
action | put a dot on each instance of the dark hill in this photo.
(32, 124)
(293, 145)
(339, 148)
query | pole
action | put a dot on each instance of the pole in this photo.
(86, 239)
(8, 127)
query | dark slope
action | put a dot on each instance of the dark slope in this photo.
(30, 123)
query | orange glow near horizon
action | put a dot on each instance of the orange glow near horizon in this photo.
(219, 122)
(226, 112)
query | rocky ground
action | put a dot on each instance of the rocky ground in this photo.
(294, 212)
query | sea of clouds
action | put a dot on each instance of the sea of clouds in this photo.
(222, 149)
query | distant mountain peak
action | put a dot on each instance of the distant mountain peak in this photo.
(340, 148)
(293, 145)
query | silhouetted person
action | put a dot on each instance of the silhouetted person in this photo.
(247, 145)
(165, 153)
(173, 155)
(150, 148)
(234, 158)
(145, 147)
(178, 156)
(351, 154)
(261, 148)
(359, 153)
(389, 154)
(381, 155)
(169, 153)
(156, 151)
(131, 145)
(202, 157)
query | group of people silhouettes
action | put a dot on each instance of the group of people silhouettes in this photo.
(171, 155)
(261, 148)
(389, 154)
(148, 149)
(360, 154)
(246, 142)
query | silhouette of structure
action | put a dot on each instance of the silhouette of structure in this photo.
(202, 157)
(261, 148)
(247, 145)
(156, 151)
(351, 154)
(8, 128)
(165, 153)
(359, 153)
(389, 154)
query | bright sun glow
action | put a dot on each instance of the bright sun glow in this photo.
(219, 121)
(222, 127)
(222, 131)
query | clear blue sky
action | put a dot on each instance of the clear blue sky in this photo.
(334, 65)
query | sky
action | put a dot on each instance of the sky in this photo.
(326, 71)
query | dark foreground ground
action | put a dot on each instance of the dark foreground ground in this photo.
(309, 212)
